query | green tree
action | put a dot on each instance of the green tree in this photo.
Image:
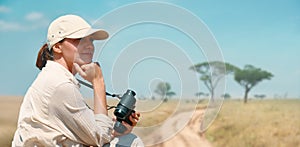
(212, 72)
(249, 77)
(260, 96)
(199, 94)
(226, 96)
(164, 90)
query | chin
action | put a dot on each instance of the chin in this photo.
(87, 62)
(82, 62)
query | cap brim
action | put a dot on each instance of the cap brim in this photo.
(97, 34)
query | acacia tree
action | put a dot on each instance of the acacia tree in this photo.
(212, 72)
(164, 90)
(249, 77)
(198, 94)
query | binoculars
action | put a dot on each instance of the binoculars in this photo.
(124, 109)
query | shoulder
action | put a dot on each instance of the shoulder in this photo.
(55, 74)
(55, 79)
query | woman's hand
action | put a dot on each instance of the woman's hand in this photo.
(90, 72)
(134, 118)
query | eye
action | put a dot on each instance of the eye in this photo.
(92, 40)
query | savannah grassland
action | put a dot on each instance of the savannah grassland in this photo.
(257, 123)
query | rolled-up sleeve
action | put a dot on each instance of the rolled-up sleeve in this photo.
(70, 115)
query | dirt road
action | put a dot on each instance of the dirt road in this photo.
(189, 136)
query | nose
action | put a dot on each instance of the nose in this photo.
(90, 45)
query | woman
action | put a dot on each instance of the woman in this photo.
(53, 112)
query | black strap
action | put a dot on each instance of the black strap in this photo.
(91, 86)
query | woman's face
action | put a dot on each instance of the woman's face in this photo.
(78, 51)
(85, 51)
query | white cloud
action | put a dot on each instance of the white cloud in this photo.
(4, 9)
(6, 26)
(10, 26)
(35, 20)
(33, 16)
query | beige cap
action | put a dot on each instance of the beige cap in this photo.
(72, 26)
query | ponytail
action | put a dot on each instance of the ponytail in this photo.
(43, 55)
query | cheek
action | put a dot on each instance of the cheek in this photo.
(84, 56)
(70, 54)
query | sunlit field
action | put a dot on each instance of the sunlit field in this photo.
(257, 123)
(9, 110)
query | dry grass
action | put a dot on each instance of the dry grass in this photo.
(9, 110)
(150, 110)
(257, 123)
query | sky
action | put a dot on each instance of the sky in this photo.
(265, 34)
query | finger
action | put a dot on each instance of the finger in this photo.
(114, 119)
(85, 67)
(136, 115)
(97, 63)
(98, 66)
(133, 121)
(135, 118)
(79, 70)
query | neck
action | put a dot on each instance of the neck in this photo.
(68, 66)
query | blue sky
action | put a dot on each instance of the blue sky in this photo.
(265, 34)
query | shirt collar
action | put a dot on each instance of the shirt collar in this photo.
(54, 65)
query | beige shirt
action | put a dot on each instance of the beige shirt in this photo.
(54, 113)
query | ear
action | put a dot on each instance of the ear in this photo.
(57, 48)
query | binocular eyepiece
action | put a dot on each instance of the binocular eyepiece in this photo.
(123, 110)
